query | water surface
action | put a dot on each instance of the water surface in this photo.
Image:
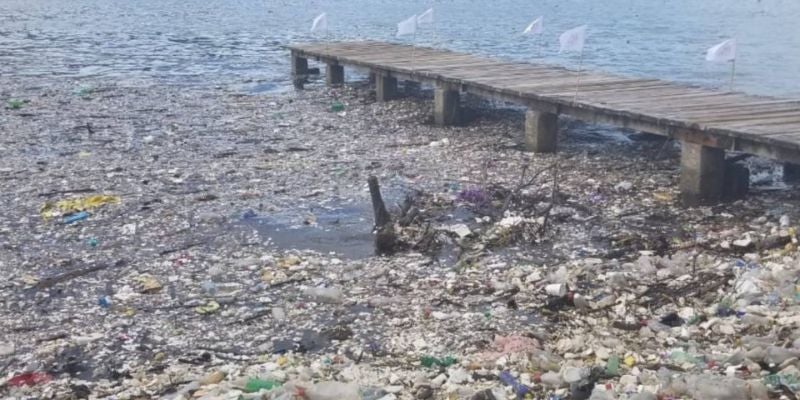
(202, 41)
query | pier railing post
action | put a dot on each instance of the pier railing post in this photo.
(446, 105)
(385, 86)
(299, 69)
(702, 174)
(334, 74)
(541, 131)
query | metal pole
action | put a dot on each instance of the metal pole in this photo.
(733, 72)
(435, 32)
(413, 46)
(578, 83)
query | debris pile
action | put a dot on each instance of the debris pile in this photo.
(165, 242)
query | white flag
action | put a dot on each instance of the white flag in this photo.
(426, 17)
(408, 26)
(725, 51)
(320, 23)
(536, 27)
(572, 40)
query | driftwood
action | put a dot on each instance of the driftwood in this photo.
(50, 282)
(385, 237)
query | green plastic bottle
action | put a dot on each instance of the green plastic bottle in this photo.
(255, 384)
(612, 368)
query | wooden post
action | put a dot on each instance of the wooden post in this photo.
(702, 174)
(334, 74)
(446, 105)
(299, 69)
(385, 238)
(541, 131)
(385, 86)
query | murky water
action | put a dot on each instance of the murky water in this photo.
(340, 228)
(200, 41)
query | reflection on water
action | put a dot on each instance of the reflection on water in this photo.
(199, 41)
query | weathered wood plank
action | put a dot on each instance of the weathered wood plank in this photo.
(762, 124)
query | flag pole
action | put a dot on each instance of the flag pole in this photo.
(435, 38)
(538, 47)
(413, 45)
(733, 72)
(578, 83)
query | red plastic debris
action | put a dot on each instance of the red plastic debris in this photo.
(29, 379)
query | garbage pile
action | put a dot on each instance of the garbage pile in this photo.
(144, 250)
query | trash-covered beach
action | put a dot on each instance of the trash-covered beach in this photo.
(163, 241)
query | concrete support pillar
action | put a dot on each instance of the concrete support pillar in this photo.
(334, 75)
(385, 87)
(791, 173)
(737, 181)
(541, 131)
(446, 105)
(299, 70)
(702, 174)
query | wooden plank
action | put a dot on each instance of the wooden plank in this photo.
(711, 119)
(751, 120)
(766, 122)
(739, 110)
(586, 87)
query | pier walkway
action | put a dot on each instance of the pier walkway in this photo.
(707, 122)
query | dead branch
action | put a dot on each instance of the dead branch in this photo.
(50, 282)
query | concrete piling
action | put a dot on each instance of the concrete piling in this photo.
(446, 105)
(702, 174)
(541, 131)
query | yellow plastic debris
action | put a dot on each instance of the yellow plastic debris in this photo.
(68, 206)
(148, 284)
(29, 279)
(629, 361)
(664, 197)
(208, 308)
(289, 261)
(267, 276)
(282, 360)
(127, 311)
(212, 378)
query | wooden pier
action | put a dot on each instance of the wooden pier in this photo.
(707, 122)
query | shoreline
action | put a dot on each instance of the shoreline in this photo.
(188, 165)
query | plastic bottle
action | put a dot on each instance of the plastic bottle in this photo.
(428, 361)
(599, 393)
(520, 389)
(76, 217)
(545, 361)
(104, 301)
(574, 375)
(717, 388)
(777, 355)
(552, 380)
(337, 106)
(278, 314)
(324, 295)
(644, 396)
(612, 367)
(210, 288)
(332, 390)
(256, 384)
